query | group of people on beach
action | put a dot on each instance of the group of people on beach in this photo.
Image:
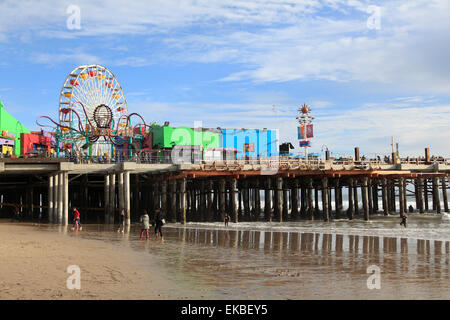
(158, 222)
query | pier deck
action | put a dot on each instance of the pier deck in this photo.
(289, 189)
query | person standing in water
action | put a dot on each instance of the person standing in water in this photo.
(159, 222)
(227, 219)
(121, 221)
(76, 220)
(404, 218)
(145, 223)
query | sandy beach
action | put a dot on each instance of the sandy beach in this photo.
(251, 261)
(34, 266)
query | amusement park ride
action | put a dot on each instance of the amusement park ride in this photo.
(93, 115)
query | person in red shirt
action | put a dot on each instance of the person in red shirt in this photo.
(76, 219)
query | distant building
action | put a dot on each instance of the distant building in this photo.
(253, 143)
(165, 137)
(10, 130)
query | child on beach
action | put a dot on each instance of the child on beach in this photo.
(145, 223)
(76, 220)
(227, 219)
(404, 217)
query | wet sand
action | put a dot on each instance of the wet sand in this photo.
(34, 263)
(298, 260)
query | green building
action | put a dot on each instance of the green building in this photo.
(10, 130)
(165, 137)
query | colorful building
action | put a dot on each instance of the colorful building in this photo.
(34, 142)
(10, 130)
(165, 137)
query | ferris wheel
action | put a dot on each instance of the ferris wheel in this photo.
(96, 96)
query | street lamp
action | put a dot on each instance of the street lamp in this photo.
(305, 119)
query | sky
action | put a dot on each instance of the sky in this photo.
(369, 70)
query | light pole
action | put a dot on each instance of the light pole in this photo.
(305, 119)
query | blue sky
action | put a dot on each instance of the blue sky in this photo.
(228, 63)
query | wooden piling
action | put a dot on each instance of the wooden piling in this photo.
(444, 193)
(392, 193)
(112, 197)
(316, 201)
(405, 203)
(309, 199)
(425, 193)
(234, 209)
(365, 198)
(279, 195)
(421, 195)
(245, 196)
(285, 211)
(172, 212)
(50, 198)
(350, 211)
(257, 213)
(121, 192)
(437, 195)
(433, 193)
(375, 195)
(337, 204)
(60, 197)
(385, 196)
(183, 200)
(401, 194)
(164, 198)
(303, 203)
(56, 198)
(325, 200)
(106, 189)
(355, 196)
(294, 195)
(126, 182)
(222, 199)
(369, 196)
(267, 201)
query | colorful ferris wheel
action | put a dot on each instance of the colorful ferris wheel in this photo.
(91, 98)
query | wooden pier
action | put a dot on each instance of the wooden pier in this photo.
(290, 189)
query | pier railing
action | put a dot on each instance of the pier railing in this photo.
(253, 164)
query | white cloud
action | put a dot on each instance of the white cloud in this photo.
(415, 126)
(273, 41)
(76, 57)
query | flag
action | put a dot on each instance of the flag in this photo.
(305, 143)
(249, 147)
(301, 132)
(309, 131)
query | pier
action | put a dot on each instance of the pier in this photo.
(288, 189)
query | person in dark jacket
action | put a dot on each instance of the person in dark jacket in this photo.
(121, 221)
(404, 218)
(159, 222)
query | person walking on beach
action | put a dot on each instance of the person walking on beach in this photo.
(227, 219)
(145, 223)
(121, 221)
(159, 222)
(76, 220)
(404, 218)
